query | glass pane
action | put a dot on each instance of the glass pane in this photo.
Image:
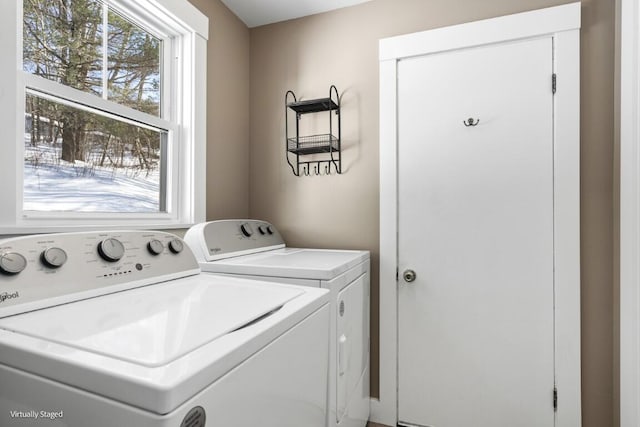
(62, 41)
(134, 66)
(65, 41)
(81, 161)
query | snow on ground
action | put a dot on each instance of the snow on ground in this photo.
(79, 188)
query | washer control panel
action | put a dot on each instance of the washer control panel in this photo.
(50, 269)
(226, 238)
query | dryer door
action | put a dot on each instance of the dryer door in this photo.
(352, 342)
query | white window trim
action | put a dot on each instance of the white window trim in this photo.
(186, 162)
(563, 24)
(628, 79)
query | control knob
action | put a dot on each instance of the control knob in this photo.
(155, 247)
(269, 229)
(12, 263)
(111, 249)
(176, 246)
(246, 229)
(262, 229)
(53, 257)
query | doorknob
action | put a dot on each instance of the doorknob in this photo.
(409, 276)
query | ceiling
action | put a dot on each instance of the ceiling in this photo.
(260, 12)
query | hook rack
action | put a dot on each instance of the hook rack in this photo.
(315, 167)
(326, 146)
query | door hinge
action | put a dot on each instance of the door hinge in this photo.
(554, 83)
(397, 273)
(555, 399)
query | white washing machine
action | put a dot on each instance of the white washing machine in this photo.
(254, 249)
(121, 329)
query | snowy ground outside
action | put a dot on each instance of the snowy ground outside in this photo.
(79, 187)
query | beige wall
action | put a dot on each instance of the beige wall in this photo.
(227, 112)
(597, 128)
(340, 47)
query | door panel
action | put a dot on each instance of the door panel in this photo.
(476, 224)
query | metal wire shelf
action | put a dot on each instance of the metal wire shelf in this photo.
(313, 144)
(327, 146)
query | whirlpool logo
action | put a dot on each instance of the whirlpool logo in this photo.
(5, 296)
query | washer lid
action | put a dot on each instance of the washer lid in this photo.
(153, 325)
(318, 264)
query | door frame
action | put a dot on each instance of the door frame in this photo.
(563, 24)
(628, 100)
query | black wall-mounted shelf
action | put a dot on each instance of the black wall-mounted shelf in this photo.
(313, 105)
(326, 147)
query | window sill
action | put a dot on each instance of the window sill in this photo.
(6, 231)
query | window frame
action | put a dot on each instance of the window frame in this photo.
(184, 31)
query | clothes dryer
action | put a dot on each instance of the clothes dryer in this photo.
(255, 249)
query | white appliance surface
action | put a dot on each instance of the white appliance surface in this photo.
(153, 347)
(319, 264)
(154, 327)
(147, 356)
(353, 352)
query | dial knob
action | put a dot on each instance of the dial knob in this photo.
(176, 246)
(246, 229)
(111, 249)
(262, 229)
(53, 257)
(12, 263)
(155, 247)
(269, 229)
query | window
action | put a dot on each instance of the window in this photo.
(107, 126)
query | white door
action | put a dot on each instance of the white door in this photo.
(475, 206)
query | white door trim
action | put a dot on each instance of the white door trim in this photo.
(563, 24)
(629, 86)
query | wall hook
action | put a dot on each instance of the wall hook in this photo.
(305, 170)
(327, 168)
(471, 122)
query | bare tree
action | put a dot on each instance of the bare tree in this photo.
(63, 41)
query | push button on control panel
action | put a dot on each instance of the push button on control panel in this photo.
(12, 263)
